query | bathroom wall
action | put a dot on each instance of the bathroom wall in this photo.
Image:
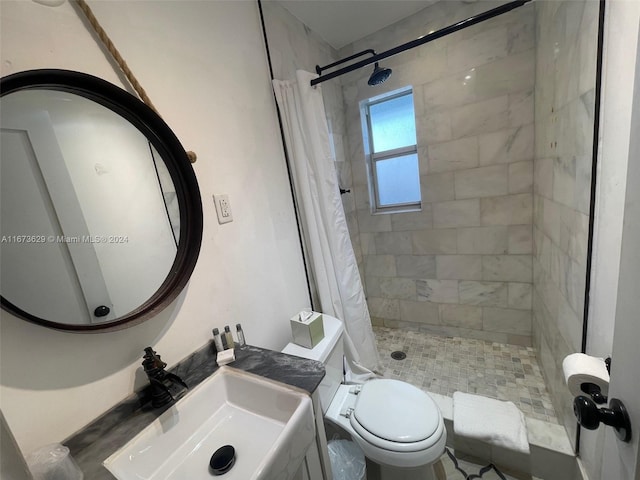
(462, 265)
(564, 117)
(204, 66)
(293, 46)
(621, 33)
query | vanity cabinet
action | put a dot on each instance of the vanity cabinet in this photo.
(316, 464)
(100, 439)
(310, 468)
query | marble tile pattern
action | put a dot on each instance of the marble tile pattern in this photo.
(564, 116)
(444, 365)
(293, 46)
(101, 438)
(497, 181)
(451, 266)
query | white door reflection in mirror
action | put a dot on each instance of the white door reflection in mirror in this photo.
(89, 217)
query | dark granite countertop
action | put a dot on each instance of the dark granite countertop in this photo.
(102, 437)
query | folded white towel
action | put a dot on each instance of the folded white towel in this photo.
(493, 421)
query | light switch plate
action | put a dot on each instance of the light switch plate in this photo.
(223, 208)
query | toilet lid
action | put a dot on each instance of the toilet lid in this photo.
(396, 411)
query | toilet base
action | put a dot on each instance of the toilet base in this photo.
(376, 471)
(384, 472)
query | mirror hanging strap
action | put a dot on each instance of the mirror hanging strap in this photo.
(108, 44)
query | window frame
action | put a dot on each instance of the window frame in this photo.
(372, 158)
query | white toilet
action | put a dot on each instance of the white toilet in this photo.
(398, 426)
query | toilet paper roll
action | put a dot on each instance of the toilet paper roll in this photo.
(580, 368)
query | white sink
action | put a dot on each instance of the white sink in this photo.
(269, 424)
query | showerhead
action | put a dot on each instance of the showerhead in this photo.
(379, 75)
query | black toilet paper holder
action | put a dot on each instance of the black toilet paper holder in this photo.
(594, 390)
(590, 416)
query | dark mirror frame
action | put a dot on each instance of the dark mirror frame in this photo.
(175, 158)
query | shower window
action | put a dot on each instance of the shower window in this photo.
(389, 128)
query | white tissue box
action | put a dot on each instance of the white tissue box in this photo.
(307, 329)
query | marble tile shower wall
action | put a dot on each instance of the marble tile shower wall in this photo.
(293, 46)
(463, 264)
(564, 116)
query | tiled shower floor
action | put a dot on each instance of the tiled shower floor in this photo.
(447, 364)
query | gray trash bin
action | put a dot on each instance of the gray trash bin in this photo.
(347, 460)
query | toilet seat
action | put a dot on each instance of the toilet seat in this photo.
(396, 416)
(394, 423)
(381, 442)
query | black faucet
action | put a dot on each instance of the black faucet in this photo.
(165, 387)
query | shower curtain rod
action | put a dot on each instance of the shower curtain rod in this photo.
(494, 12)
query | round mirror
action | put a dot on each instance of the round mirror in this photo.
(101, 218)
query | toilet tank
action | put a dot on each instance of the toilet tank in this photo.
(329, 351)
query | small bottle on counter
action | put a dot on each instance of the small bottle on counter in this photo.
(241, 340)
(228, 336)
(217, 340)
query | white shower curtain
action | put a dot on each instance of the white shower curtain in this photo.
(317, 191)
